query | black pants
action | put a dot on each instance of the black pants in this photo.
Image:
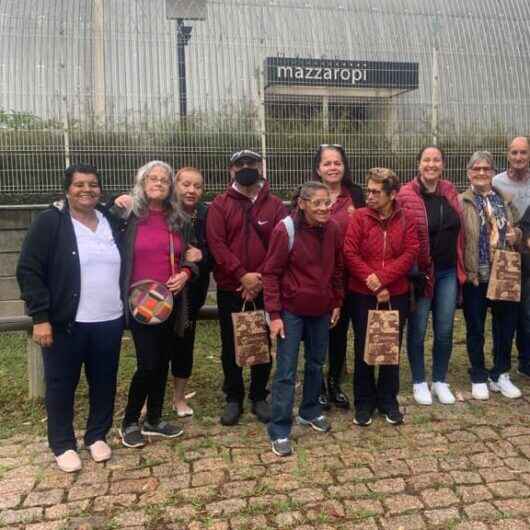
(523, 324)
(366, 392)
(229, 302)
(182, 356)
(97, 347)
(154, 348)
(338, 344)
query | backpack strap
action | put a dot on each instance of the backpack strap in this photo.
(289, 226)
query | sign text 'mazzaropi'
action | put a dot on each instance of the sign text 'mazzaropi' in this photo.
(373, 74)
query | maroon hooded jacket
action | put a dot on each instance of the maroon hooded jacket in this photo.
(238, 233)
(308, 279)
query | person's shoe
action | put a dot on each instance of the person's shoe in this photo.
(443, 393)
(524, 370)
(323, 398)
(183, 411)
(337, 396)
(231, 414)
(393, 415)
(320, 424)
(505, 387)
(480, 391)
(131, 436)
(282, 447)
(363, 417)
(262, 410)
(162, 428)
(422, 394)
(69, 461)
(100, 451)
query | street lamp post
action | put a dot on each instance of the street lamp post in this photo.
(183, 37)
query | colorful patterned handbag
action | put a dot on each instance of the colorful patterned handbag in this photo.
(150, 301)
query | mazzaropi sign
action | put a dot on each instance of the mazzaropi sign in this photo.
(340, 73)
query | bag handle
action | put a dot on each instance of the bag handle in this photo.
(389, 305)
(245, 305)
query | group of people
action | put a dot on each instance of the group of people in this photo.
(335, 254)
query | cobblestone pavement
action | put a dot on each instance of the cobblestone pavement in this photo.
(462, 467)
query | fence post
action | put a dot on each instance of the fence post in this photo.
(36, 384)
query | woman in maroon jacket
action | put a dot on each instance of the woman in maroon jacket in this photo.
(302, 282)
(380, 248)
(332, 167)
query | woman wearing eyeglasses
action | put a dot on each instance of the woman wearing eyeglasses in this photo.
(303, 291)
(433, 203)
(156, 217)
(332, 167)
(489, 219)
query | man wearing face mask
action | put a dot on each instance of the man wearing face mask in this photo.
(238, 229)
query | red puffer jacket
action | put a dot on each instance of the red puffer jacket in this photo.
(409, 198)
(386, 247)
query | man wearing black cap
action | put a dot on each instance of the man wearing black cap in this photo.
(238, 228)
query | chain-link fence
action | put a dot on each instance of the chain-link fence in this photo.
(117, 83)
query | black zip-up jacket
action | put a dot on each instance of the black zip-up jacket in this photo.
(49, 271)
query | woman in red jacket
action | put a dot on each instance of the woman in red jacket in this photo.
(303, 290)
(433, 204)
(380, 248)
(332, 167)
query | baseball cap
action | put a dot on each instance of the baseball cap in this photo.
(245, 153)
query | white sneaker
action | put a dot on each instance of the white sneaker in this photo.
(443, 393)
(100, 451)
(422, 394)
(480, 391)
(505, 387)
(69, 461)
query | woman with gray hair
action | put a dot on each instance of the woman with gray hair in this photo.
(155, 224)
(488, 222)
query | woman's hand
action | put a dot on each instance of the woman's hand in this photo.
(177, 282)
(124, 201)
(193, 254)
(335, 315)
(43, 334)
(277, 329)
(383, 296)
(373, 283)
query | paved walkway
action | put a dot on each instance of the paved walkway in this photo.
(461, 467)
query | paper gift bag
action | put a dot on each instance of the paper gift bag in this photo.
(382, 337)
(251, 337)
(505, 276)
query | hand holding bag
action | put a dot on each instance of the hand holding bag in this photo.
(382, 337)
(251, 337)
(150, 301)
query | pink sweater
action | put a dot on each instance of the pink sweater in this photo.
(151, 249)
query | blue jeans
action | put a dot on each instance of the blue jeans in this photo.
(315, 333)
(523, 326)
(504, 320)
(443, 305)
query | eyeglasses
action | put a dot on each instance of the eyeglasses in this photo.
(249, 163)
(481, 169)
(319, 203)
(160, 180)
(331, 146)
(373, 192)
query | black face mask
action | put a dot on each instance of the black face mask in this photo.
(247, 176)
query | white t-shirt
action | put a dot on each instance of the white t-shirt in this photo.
(99, 300)
(519, 192)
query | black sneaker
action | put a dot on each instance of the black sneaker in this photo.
(363, 417)
(282, 447)
(320, 424)
(393, 415)
(524, 370)
(162, 428)
(232, 413)
(323, 399)
(262, 410)
(337, 396)
(131, 435)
